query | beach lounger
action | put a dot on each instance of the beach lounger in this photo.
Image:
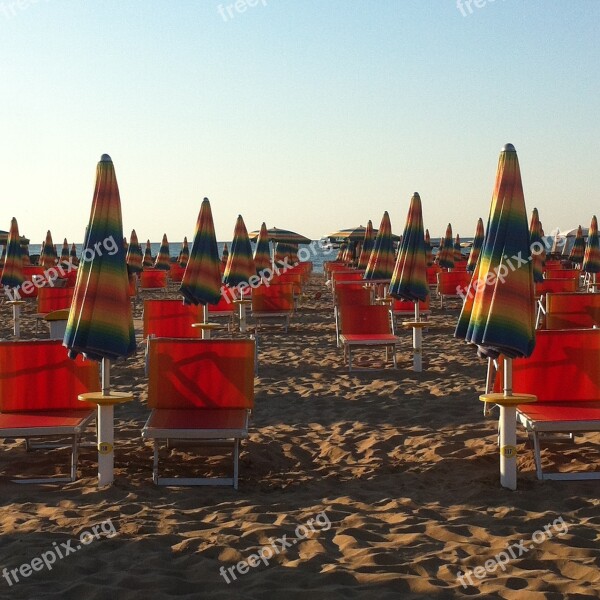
(200, 390)
(353, 294)
(575, 310)
(451, 284)
(153, 279)
(405, 309)
(273, 302)
(367, 327)
(563, 373)
(171, 318)
(50, 299)
(39, 386)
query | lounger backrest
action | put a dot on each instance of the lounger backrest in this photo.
(225, 303)
(54, 298)
(432, 273)
(572, 311)
(153, 279)
(451, 282)
(562, 273)
(555, 285)
(563, 367)
(273, 298)
(171, 318)
(361, 320)
(185, 374)
(409, 305)
(352, 294)
(38, 375)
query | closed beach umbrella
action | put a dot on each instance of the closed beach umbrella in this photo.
(286, 253)
(367, 246)
(341, 251)
(148, 261)
(578, 250)
(458, 257)
(100, 323)
(240, 264)
(262, 252)
(476, 247)
(134, 254)
(12, 273)
(498, 314)
(73, 254)
(225, 254)
(184, 255)
(201, 282)
(48, 255)
(446, 252)
(163, 258)
(382, 260)
(428, 252)
(591, 258)
(536, 247)
(64, 252)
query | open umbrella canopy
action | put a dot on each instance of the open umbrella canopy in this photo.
(409, 280)
(354, 234)
(536, 246)
(382, 260)
(446, 250)
(148, 261)
(48, 256)
(476, 247)
(163, 258)
(240, 264)
(367, 246)
(12, 270)
(498, 313)
(100, 323)
(282, 235)
(591, 258)
(578, 250)
(134, 254)
(184, 254)
(201, 282)
(262, 252)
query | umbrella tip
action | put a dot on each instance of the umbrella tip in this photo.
(508, 148)
(105, 158)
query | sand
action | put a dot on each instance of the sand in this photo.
(398, 472)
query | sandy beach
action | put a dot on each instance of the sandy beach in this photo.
(396, 471)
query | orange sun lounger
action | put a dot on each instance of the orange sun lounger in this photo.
(200, 390)
(451, 284)
(273, 302)
(39, 386)
(576, 310)
(563, 373)
(171, 318)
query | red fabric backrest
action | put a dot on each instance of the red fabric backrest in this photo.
(572, 311)
(273, 298)
(449, 281)
(564, 366)
(555, 285)
(38, 375)
(171, 318)
(176, 272)
(338, 276)
(225, 303)
(52, 298)
(562, 274)
(409, 305)
(186, 374)
(153, 278)
(352, 294)
(359, 320)
(432, 274)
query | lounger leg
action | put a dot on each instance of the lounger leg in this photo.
(538, 455)
(155, 463)
(349, 348)
(74, 457)
(236, 456)
(394, 357)
(337, 327)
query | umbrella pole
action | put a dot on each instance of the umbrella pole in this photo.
(105, 431)
(508, 433)
(205, 331)
(16, 305)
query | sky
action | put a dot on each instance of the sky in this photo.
(310, 115)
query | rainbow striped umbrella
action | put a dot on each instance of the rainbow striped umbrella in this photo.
(409, 279)
(382, 260)
(476, 247)
(591, 259)
(262, 252)
(73, 254)
(428, 252)
(498, 312)
(286, 253)
(184, 255)
(163, 258)
(341, 251)
(201, 282)
(446, 251)
(64, 252)
(458, 257)
(12, 270)
(282, 235)
(148, 261)
(134, 254)
(536, 246)
(100, 324)
(240, 264)
(48, 254)
(367, 246)
(578, 250)
(225, 254)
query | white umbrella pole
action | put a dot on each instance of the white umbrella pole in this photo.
(243, 326)
(508, 433)
(17, 319)
(105, 434)
(417, 343)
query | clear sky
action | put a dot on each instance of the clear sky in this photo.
(311, 115)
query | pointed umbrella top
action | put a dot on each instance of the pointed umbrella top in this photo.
(262, 252)
(184, 255)
(367, 246)
(591, 259)
(578, 250)
(163, 259)
(12, 270)
(240, 264)
(446, 252)
(134, 254)
(536, 246)
(476, 247)
(382, 259)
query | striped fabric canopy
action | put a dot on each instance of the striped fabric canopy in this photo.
(48, 256)
(428, 252)
(476, 247)
(367, 246)
(184, 255)
(282, 235)
(201, 283)
(536, 246)
(262, 252)
(578, 250)
(64, 252)
(148, 261)
(240, 264)
(100, 323)
(134, 254)
(498, 314)
(409, 280)
(12, 270)
(163, 258)
(591, 259)
(446, 251)
(382, 260)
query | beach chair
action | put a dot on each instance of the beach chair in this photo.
(39, 386)
(354, 294)
(574, 310)
(50, 299)
(451, 284)
(563, 373)
(366, 327)
(153, 279)
(201, 391)
(295, 279)
(562, 273)
(224, 308)
(273, 302)
(405, 309)
(171, 318)
(32, 273)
